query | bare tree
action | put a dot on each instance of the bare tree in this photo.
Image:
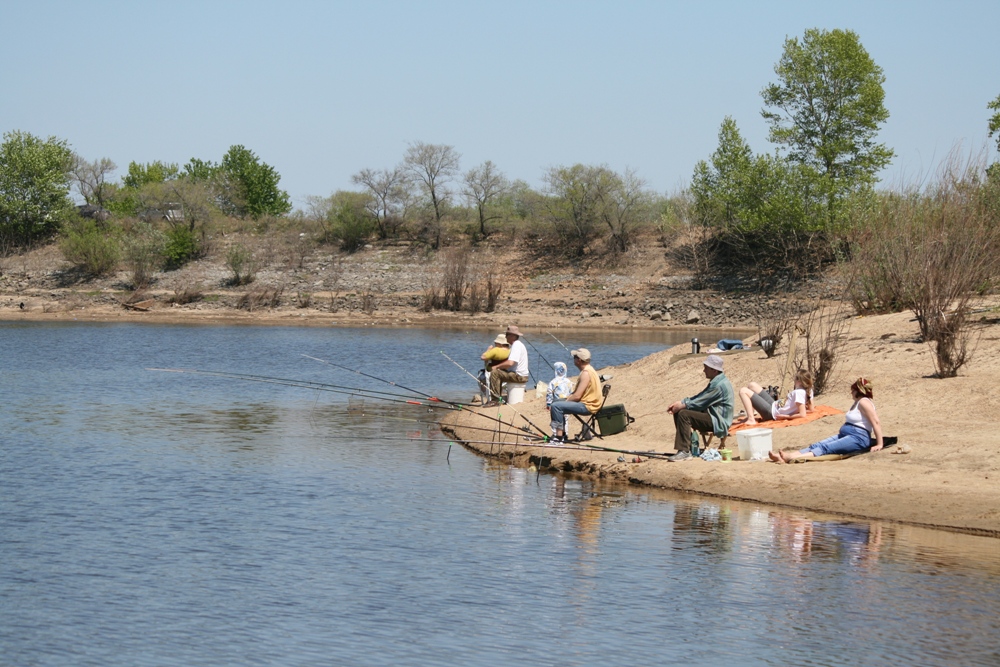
(484, 185)
(432, 167)
(91, 179)
(626, 205)
(390, 190)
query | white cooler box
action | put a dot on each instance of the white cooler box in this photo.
(754, 444)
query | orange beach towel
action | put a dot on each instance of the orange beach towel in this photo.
(818, 412)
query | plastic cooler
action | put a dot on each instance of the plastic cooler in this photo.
(754, 444)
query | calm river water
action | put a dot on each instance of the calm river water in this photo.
(163, 519)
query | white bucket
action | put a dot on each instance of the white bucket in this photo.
(515, 393)
(754, 444)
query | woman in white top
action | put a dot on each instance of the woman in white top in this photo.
(798, 403)
(855, 435)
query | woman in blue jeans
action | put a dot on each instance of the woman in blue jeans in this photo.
(860, 422)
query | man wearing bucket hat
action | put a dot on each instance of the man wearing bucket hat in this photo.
(709, 410)
(585, 400)
(514, 369)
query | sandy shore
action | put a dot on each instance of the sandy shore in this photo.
(950, 477)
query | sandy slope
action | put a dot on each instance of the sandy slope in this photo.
(951, 478)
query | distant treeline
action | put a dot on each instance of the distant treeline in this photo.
(786, 213)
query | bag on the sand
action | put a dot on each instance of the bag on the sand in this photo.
(612, 419)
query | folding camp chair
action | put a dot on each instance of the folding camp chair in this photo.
(590, 425)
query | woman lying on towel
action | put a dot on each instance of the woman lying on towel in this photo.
(854, 436)
(798, 403)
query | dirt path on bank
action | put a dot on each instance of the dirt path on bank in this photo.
(949, 479)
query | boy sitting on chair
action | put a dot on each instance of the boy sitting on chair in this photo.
(586, 400)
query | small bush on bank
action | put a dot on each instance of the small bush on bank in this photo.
(91, 247)
(142, 251)
(241, 262)
(182, 246)
(932, 252)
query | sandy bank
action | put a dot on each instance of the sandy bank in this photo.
(950, 479)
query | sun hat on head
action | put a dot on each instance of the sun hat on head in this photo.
(513, 330)
(500, 340)
(583, 354)
(714, 362)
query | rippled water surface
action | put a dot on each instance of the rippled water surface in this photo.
(164, 519)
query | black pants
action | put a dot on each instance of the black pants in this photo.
(684, 422)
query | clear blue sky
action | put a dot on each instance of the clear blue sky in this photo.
(320, 90)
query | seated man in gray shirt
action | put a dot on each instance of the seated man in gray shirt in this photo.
(709, 410)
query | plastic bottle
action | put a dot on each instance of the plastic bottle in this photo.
(695, 444)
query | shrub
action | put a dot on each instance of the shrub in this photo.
(932, 252)
(143, 253)
(263, 297)
(350, 223)
(181, 247)
(90, 247)
(241, 261)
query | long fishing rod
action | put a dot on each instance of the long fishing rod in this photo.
(338, 389)
(491, 429)
(559, 341)
(539, 353)
(318, 386)
(458, 406)
(477, 380)
(389, 382)
(462, 367)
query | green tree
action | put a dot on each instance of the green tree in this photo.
(827, 108)
(34, 186)
(763, 209)
(249, 187)
(154, 172)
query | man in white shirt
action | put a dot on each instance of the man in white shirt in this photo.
(515, 369)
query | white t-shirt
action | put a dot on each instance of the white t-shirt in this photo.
(519, 355)
(795, 398)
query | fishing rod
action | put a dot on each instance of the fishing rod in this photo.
(559, 341)
(389, 382)
(462, 367)
(457, 406)
(318, 386)
(539, 353)
(491, 429)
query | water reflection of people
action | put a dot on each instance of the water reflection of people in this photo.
(707, 523)
(803, 538)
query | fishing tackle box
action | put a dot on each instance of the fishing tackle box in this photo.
(612, 419)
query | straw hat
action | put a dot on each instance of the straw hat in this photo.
(500, 340)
